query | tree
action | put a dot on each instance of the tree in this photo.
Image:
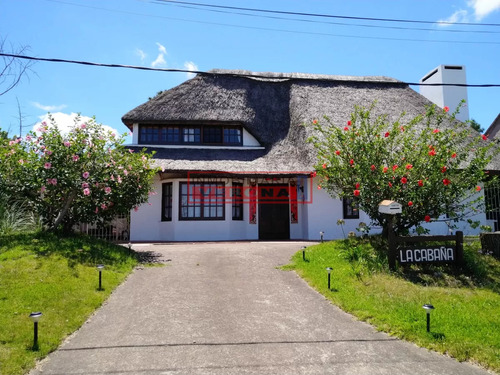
(85, 176)
(12, 69)
(475, 125)
(431, 164)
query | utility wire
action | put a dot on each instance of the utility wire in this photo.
(326, 15)
(234, 74)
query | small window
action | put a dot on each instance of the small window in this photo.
(170, 134)
(191, 135)
(232, 136)
(201, 201)
(149, 134)
(212, 134)
(351, 210)
(237, 201)
(166, 202)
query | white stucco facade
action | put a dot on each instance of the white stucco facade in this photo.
(319, 213)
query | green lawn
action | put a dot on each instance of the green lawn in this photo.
(57, 276)
(465, 323)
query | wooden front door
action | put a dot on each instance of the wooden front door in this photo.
(274, 212)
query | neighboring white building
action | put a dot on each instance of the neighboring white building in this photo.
(238, 138)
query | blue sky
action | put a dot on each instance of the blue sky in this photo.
(166, 35)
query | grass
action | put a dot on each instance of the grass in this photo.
(465, 323)
(57, 276)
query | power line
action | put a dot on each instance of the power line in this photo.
(327, 15)
(245, 75)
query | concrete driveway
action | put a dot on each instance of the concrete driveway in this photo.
(224, 308)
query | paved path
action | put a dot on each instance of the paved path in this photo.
(224, 308)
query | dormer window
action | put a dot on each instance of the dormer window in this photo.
(210, 135)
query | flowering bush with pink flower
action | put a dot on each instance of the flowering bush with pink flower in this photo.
(78, 177)
(444, 161)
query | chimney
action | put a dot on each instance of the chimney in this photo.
(447, 96)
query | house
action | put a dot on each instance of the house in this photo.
(238, 138)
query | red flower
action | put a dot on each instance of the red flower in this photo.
(443, 169)
(351, 161)
(410, 203)
(402, 128)
(454, 155)
(372, 167)
(346, 128)
(446, 182)
(357, 185)
(409, 166)
(427, 218)
(420, 183)
(385, 169)
(324, 166)
(319, 187)
(404, 180)
(390, 185)
(478, 188)
(315, 122)
(435, 131)
(432, 153)
(484, 137)
(337, 152)
(313, 174)
(386, 134)
(349, 123)
(356, 193)
(394, 167)
(446, 109)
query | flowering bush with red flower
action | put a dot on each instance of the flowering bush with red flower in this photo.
(444, 161)
(84, 176)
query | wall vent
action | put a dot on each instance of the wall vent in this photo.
(429, 75)
(453, 67)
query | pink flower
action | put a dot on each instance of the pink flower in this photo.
(21, 161)
(86, 191)
(83, 126)
(112, 178)
(104, 207)
(28, 137)
(120, 179)
(130, 150)
(47, 165)
(48, 152)
(136, 208)
(96, 210)
(125, 172)
(319, 187)
(85, 185)
(67, 144)
(107, 190)
(85, 174)
(75, 157)
(53, 181)
(43, 189)
(446, 109)
(113, 135)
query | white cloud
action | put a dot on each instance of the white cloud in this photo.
(49, 108)
(191, 66)
(161, 48)
(459, 16)
(139, 52)
(160, 60)
(66, 122)
(482, 8)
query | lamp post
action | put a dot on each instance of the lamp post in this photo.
(304, 253)
(100, 267)
(428, 309)
(329, 270)
(321, 234)
(35, 317)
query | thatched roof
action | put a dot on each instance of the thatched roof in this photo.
(272, 107)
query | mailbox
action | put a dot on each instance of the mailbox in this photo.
(390, 207)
